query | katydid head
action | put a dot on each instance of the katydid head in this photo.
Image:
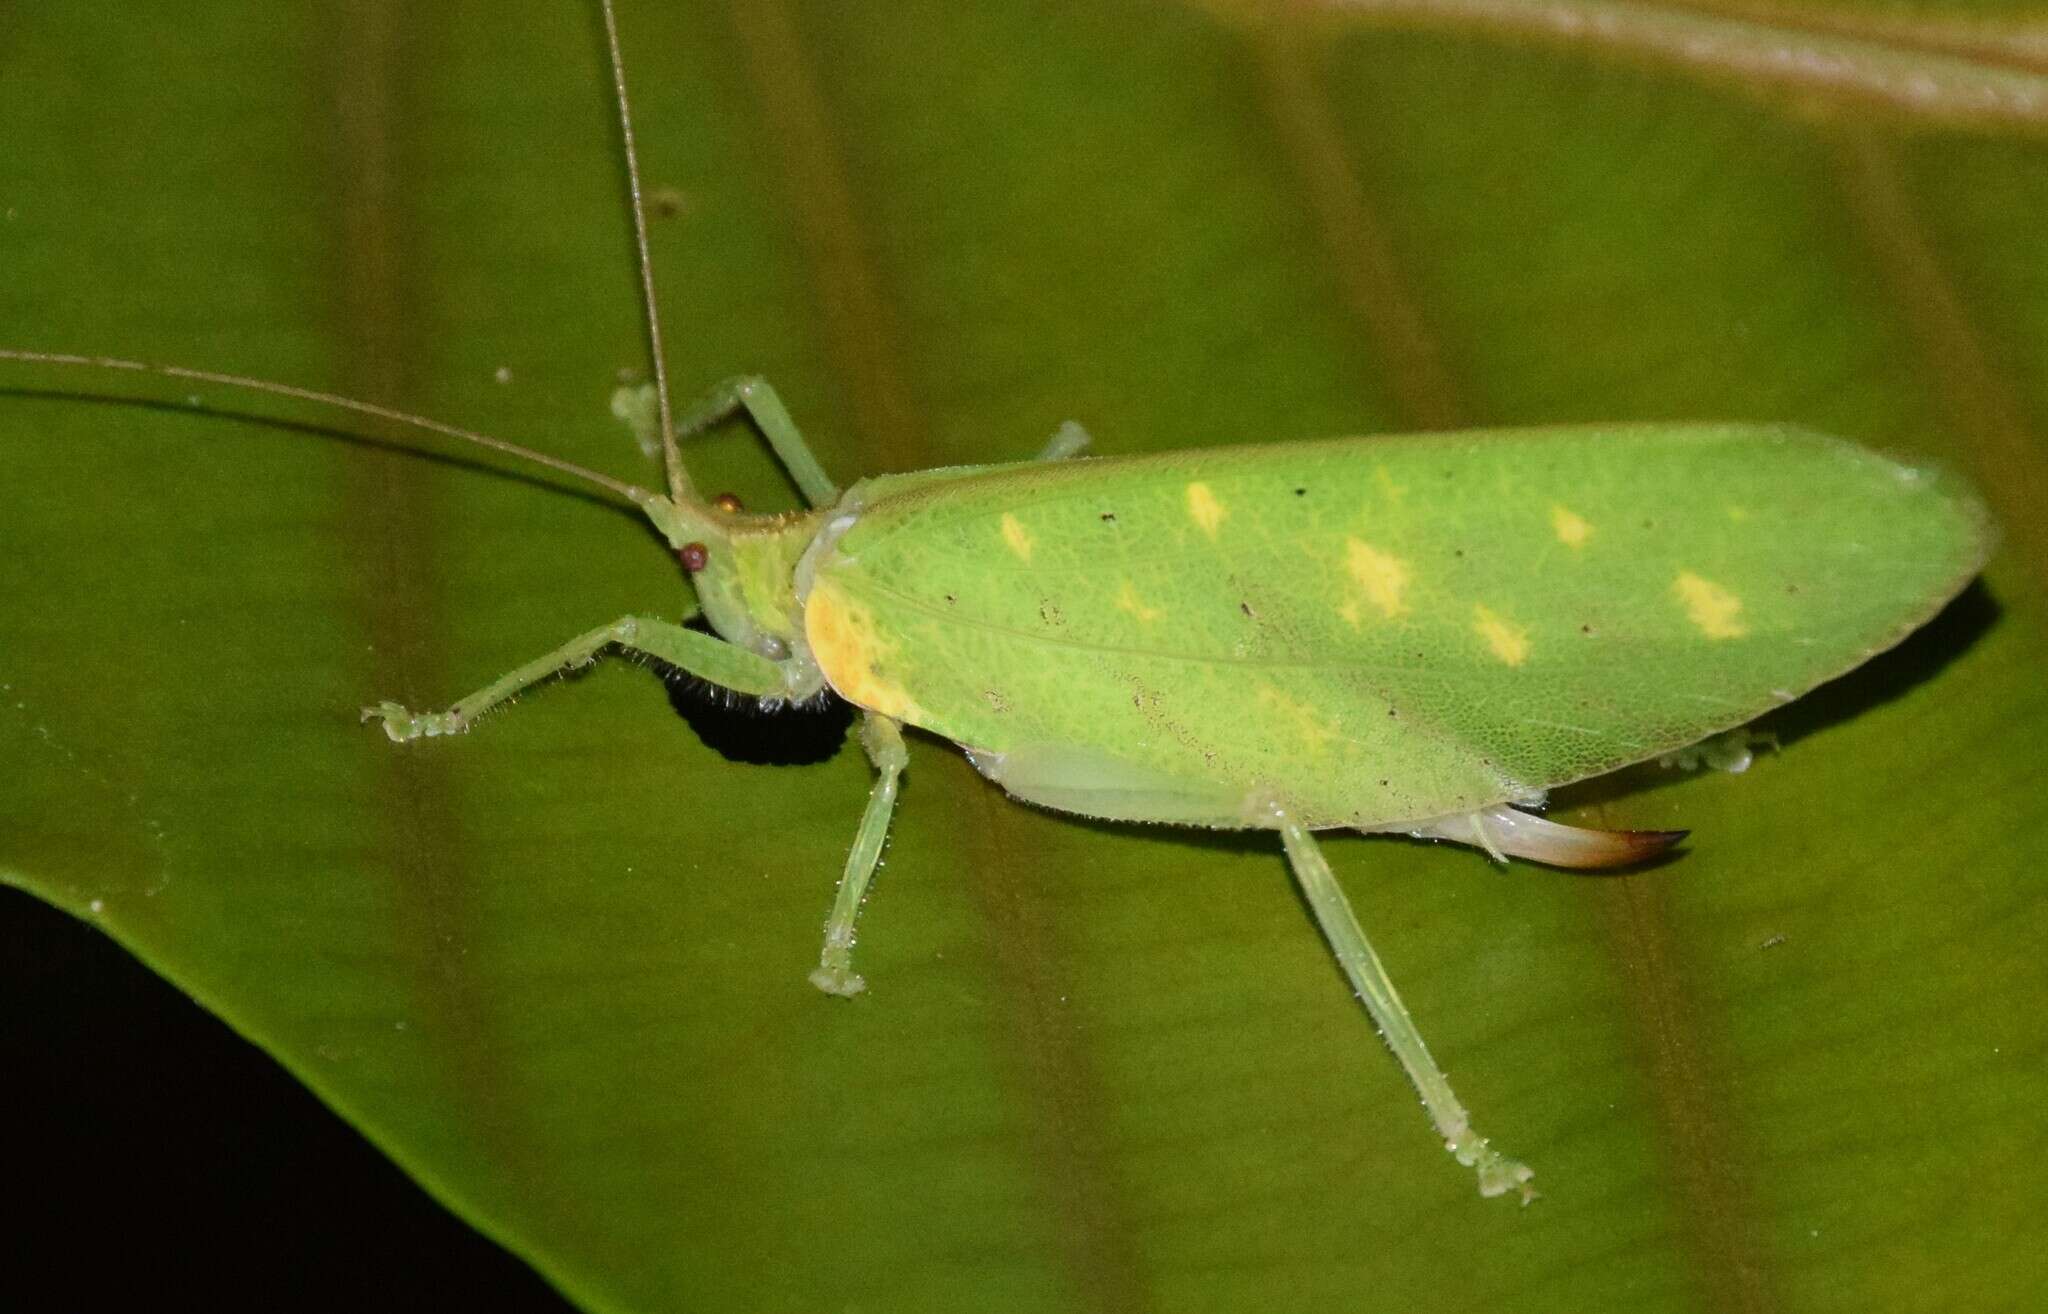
(740, 565)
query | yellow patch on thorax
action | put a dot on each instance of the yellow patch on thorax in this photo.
(1510, 642)
(852, 655)
(1572, 529)
(1127, 600)
(1709, 606)
(1204, 509)
(1017, 537)
(1383, 577)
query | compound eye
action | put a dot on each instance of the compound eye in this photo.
(728, 503)
(693, 556)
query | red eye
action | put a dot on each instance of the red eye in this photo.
(693, 556)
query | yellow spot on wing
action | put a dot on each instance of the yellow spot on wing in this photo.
(1383, 577)
(1018, 537)
(1572, 529)
(1709, 606)
(1314, 732)
(852, 655)
(1204, 509)
(1390, 490)
(1510, 642)
(1127, 600)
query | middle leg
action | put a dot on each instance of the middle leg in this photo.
(884, 744)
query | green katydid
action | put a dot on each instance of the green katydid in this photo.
(1417, 635)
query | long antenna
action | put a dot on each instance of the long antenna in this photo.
(638, 496)
(678, 479)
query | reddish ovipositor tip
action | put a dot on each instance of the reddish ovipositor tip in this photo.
(1625, 848)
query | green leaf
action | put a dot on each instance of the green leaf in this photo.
(556, 968)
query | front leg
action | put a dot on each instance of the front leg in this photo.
(752, 394)
(749, 393)
(703, 655)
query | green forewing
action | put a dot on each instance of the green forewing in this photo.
(1374, 631)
